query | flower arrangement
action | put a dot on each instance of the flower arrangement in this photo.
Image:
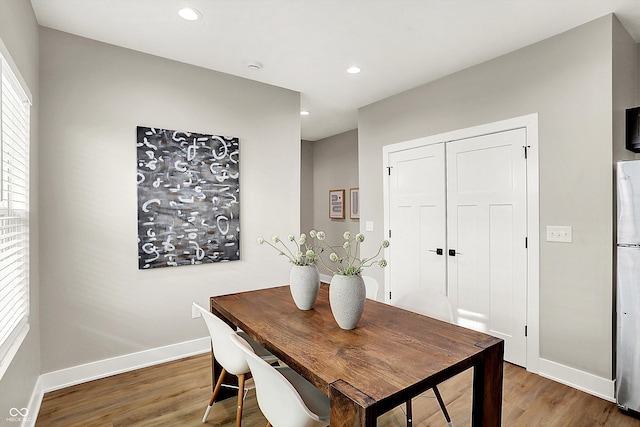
(305, 251)
(350, 264)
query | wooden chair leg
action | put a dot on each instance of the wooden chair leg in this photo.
(409, 413)
(442, 406)
(268, 424)
(216, 390)
(240, 400)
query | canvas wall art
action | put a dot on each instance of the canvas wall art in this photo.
(188, 198)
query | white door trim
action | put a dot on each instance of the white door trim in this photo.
(530, 123)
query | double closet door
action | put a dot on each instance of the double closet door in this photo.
(457, 223)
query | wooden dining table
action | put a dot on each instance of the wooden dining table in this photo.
(391, 356)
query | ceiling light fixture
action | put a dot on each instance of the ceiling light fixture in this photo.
(304, 113)
(189, 14)
(353, 70)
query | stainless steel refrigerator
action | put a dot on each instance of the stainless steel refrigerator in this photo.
(628, 287)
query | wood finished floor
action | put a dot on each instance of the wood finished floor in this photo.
(176, 394)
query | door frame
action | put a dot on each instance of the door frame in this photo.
(530, 123)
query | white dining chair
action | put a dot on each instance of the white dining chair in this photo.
(285, 398)
(230, 358)
(371, 286)
(432, 303)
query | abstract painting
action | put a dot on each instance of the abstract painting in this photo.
(188, 198)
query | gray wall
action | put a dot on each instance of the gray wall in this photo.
(19, 33)
(97, 304)
(306, 187)
(335, 167)
(567, 79)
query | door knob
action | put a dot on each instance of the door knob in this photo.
(452, 252)
(438, 251)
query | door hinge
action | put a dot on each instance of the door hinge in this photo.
(389, 233)
(525, 330)
(389, 170)
(526, 242)
(526, 150)
(389, 294)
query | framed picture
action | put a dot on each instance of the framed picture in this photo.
(355, 203)
(336, 204)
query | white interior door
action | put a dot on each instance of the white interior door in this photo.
(486, 227)
(417, 214)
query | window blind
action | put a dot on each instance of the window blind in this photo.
(14, 212)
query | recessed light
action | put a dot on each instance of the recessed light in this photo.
(189, 14)
(304, 113)
(353, 70)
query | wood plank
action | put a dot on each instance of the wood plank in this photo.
(176, 394)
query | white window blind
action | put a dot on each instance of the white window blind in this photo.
(14, 214)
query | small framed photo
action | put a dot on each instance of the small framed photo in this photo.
(336, 204)
(355, 203)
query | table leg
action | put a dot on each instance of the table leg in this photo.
(487, 385)
(350, 407)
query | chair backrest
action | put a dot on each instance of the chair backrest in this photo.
(371, 286)
(278, 399)
(226, 353)
(428, 302)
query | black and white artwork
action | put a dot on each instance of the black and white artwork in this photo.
(188, 198)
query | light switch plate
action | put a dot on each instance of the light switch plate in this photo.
(559, 233)
(369, 226)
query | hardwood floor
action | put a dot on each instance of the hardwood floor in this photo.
(176, 394)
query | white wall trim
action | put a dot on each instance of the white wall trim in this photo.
(584, 381)
(116, 365)
(104, 368)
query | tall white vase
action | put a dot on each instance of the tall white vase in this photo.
(304, 284)
(347, 295)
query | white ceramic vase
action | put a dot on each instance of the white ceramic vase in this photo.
(347, 295)
(304, 283)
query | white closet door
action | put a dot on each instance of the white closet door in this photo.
(417, 220)
(486, 226)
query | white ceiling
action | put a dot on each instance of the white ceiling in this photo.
(307, 45)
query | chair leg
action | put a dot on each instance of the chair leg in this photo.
(216, 390)
(409, 413)
(240, 399)
(268, 424)
(442, 406)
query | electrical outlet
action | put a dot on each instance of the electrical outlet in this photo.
(195, 313)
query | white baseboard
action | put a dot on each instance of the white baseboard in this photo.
(325, 278)
(104, 368)
(116, 365)
(584, 381)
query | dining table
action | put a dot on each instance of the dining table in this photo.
(391, 356)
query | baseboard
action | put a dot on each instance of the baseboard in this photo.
(325, 278)
(104, 368)
(584, 381)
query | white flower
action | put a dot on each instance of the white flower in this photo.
(298, 255)
(333, 257)
(360, 237)
(346, 235)
(346, 245)
(382, 263)
(260, 240)
(275, 239)
(385, 243)
(302, 240)
(320, 235)
(291, 237)
(312, 233)
(310, 254)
